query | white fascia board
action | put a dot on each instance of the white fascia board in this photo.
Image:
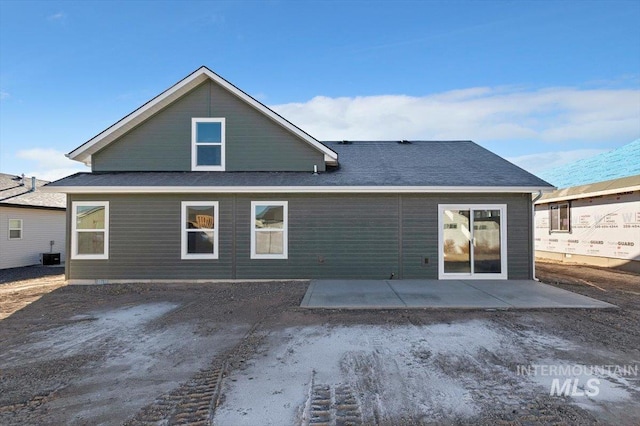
(83, 153)
(289, 189)
(332, 155)
(588, 195)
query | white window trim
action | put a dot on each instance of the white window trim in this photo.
(504, 273)
(15, 229)
(183, 230)
(194, 143)
(74, 230)
(285, 230)
(558, 206)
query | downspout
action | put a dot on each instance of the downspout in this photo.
(533, 230)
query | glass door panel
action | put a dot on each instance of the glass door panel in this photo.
(456, 241)
(472, 241)
(486, 242)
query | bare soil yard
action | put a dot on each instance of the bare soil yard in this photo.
(247, 354)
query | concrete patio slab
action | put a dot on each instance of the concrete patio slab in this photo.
(443, 294)
(351, 294)
(533, 294)
(459, 294)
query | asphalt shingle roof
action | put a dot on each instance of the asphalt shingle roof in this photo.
(377, 163)
(14, 194)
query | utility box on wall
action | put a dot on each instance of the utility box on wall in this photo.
(50, 258)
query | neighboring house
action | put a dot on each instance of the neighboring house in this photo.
(595, 217)
(30, 220)
(204, 182)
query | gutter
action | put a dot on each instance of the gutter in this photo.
(329, 189)
(533, 230)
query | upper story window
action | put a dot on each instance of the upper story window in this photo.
(15, 229)
(207, 144)
(560, 219)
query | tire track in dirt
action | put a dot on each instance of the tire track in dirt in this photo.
(331, 405)
(194, 402)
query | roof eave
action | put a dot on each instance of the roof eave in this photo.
(293, 189)
(588, 194)
(32, 206)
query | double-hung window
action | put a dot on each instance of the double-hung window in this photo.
(269, 233)
(90, 230)
(199, 230)
(15, 229)
(560, 217)
(208, 144)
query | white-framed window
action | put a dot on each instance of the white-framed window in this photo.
(15, 229)
(207, 144)
(199, 229)
(90, 230)
(269, 230)
(560, 219)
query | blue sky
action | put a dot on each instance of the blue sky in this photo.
(541, 83)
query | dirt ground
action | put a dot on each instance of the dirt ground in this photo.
(21, 286)
(247, 354)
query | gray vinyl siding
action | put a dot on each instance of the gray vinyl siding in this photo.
(253, 141)
(330, 236)
(162, 143)
(145, 238)
(420, 232)
(346, 236)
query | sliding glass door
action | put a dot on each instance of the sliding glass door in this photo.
(472, 241)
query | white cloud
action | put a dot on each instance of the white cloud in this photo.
(480, 113)
(536, 163)
(50, 164)
(4, 95)
(57, 16)
(556, 116)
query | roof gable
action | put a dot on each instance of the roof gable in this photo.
(84, 152)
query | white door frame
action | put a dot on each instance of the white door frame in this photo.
(503, 242)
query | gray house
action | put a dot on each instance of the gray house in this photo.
(203, 182)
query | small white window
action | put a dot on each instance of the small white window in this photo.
(207, 144)
(15, 229)
(199, 230)
(90, 230)
(269, 233)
